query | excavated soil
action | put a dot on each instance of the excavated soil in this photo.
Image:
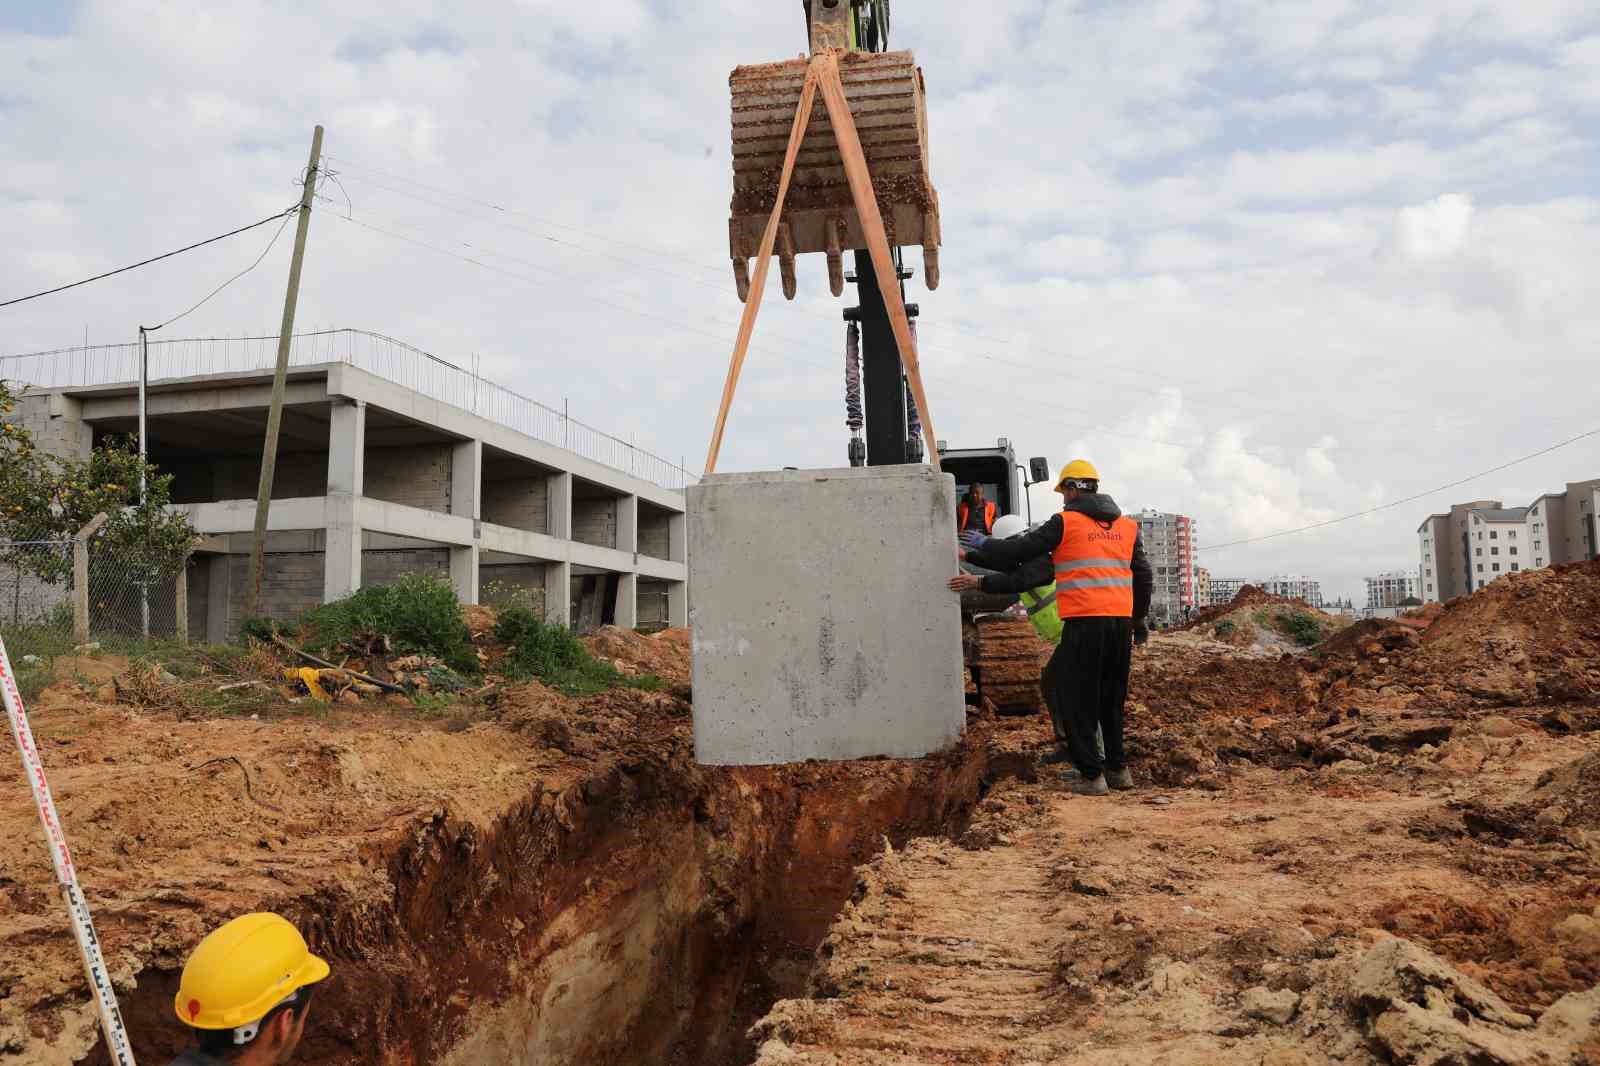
(559, 883)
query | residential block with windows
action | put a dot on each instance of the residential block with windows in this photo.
(1222, 590)
(1388, 589)
(1473, 543)
(1169, 545)
(1296, 587)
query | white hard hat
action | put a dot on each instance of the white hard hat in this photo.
(1009, 525)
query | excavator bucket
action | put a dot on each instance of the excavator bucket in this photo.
(886, 100)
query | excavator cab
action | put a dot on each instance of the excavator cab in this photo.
(885, 92)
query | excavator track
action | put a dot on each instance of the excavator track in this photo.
(885, 91)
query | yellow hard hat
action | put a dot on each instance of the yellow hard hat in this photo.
(1078, 469)
(242, 970)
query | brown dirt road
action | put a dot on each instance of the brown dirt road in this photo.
(1132, 930)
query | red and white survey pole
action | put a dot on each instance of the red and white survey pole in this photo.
(94, 965)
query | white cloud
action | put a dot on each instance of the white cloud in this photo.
(1435, 229)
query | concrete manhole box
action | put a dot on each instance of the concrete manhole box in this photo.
(821, 623)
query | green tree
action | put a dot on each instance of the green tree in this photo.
(47, 498)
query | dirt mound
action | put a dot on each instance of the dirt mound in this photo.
(1370, 637)
(1533, 635)
(664, 654)
(1248, 596)
(1572, 790)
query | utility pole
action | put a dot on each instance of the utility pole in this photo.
(144, 455)
(269, 451)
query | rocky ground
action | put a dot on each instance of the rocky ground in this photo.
(1385, 848)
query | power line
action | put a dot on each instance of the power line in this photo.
(153, 259)
(281, 227)
(1408, 499)
(1193, 387)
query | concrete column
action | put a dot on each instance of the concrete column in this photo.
(678, 603)
(678, 539)
(217, 598)
(466, 500)
(628, 524)
(558, 593)
(627, 609)
(341, 563)
(466, 479)
(464, 572)
(559, 499)
(347, 449)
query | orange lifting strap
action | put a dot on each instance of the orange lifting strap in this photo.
(823, 74)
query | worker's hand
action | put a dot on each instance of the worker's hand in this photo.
(974, 540)
(1141, 632)
(963, 582)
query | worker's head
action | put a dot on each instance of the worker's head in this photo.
(975, 491)
(1077, 478)
(246, 990)
(1009, 525)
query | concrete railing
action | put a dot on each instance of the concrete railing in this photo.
(384, 357)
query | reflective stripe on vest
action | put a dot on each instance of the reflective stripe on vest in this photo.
(1041, 606)
(1094, 567)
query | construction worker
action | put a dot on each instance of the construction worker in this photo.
(246, 992)
(1102, 587)
(1035, 587)
(975, 513)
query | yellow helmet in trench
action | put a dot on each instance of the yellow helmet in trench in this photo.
(242, 970)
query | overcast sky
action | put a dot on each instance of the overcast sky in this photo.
(1264, 262)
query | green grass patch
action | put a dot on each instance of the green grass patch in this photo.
(1302, 627)
(418, 613)
(550, 653)
(1224, 629)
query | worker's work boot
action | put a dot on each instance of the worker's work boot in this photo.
(1121, 780)
(1094, 786)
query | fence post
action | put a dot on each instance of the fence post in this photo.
(80, 578)
(181, 607)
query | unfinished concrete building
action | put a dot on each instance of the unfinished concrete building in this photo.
(376, 479)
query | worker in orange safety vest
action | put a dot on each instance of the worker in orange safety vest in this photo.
(1102, 586)
(974, 513)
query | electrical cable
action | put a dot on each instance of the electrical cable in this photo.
(152, 259)
(1405, 500)
(1226, 398)
(279, 233)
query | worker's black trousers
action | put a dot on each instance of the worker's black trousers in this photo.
(1087, 678)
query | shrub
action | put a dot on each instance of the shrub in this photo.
(1302, 627)
(417, 613)
(259, 628)
(551, 653)
(1224, 629)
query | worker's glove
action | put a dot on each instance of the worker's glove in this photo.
(974, 540)
(1141, 632)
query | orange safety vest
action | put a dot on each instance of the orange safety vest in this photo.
(1094, 567)
(988, 515)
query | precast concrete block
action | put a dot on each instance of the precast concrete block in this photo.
(821, 624)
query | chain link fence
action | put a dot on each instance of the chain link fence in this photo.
(59, 596)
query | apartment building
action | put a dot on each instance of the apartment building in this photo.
(1444, 543)
(1295, 587)
(1388, 589)
(1202, 587)
(1169, 544)
(1561, 525)
(1473, 543)
(1222, 590)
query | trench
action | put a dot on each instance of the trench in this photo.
(647, 914)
